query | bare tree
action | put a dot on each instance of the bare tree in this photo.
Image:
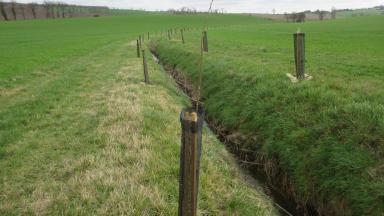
(287, 17)
(210, 6)
(300, 17)
(33, 7)
(295, 17)
(57, 9)
(2, 11)
(13, 9)
(48, 9)
(51, 9)
(63, 7)
(71, 10)
(22, 8)
(333, 13)
(321, 14)
(47, 12)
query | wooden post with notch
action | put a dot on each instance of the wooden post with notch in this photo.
(191, 140)
(145, 67)
(205, 41)
(182, 36)
(299, 44)
(138, 49)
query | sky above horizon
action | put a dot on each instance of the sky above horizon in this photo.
(233, 6)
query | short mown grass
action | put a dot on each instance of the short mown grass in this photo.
(326, 133)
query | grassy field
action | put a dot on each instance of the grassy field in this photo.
(360, 12)
(327, 133)
(80, 134)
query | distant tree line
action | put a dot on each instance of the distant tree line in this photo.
(295, 17)
(301, 16)
(47, 10)
(186, 10)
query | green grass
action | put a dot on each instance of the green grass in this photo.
(30, 45)
(327, 133)
(80, 134)
(360, 12)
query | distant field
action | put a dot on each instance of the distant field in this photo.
(29, 45)
(327, 133)
(360, 12)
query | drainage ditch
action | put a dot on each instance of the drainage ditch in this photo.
(277, 190)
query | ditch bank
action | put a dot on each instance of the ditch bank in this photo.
(313, 155)
(274, 181)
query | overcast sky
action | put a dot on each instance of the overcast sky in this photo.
(256, 6)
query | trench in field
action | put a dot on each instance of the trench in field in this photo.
(285, 203)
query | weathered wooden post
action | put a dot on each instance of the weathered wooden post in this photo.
(191, 141)
(138, 49)
(299, 43)
(205, 41)
(182, 36)
(145, 66)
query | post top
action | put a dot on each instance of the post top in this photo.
(190, 116)
(299, 33)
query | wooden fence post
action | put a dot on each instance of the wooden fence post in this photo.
(138, 49)
(299, 43)
(145, 66)
(191, 141)
(205, 41)
(182, 36)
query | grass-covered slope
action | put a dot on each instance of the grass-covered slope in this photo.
(327, 133)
